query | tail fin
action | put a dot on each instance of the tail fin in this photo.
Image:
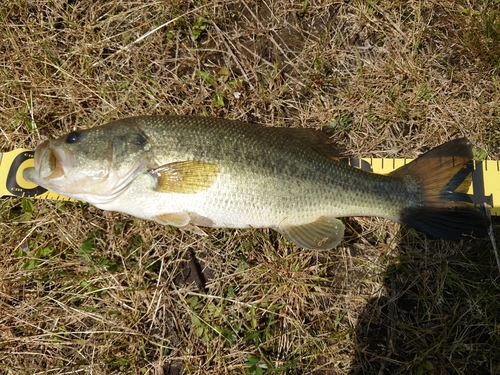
(439, 180)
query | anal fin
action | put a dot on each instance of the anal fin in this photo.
(322, 234)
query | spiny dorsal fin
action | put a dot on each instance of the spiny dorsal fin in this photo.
(185, 177)
(322, 234)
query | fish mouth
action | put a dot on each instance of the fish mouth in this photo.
(52, 162)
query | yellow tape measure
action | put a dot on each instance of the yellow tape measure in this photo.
(485, 187)
(12, 182)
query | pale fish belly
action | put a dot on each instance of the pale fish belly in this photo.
(228, 202)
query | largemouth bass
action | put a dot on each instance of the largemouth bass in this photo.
(198, 171)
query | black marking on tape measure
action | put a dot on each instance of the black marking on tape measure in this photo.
(358, 163)
(13, 186)
(478, 195)
(458, 179)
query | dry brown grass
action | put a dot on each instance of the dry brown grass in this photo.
(82, 291)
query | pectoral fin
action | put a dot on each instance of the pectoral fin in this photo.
(322, 234)
(186, 177)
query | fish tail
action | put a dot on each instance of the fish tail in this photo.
(438, 182)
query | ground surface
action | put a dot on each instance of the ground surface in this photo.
(89, 292)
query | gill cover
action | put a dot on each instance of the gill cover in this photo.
(95, 166)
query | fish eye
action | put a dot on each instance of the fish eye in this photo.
(72, 137)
